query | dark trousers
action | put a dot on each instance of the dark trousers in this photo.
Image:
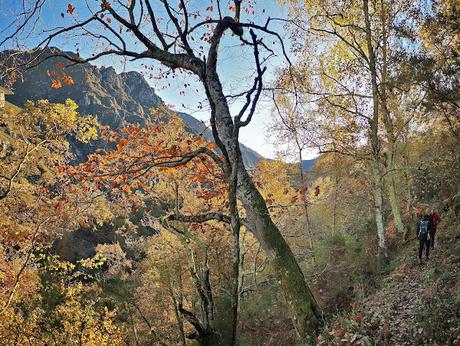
(424, 242)
(432, 235)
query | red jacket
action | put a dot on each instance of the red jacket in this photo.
(435, 218)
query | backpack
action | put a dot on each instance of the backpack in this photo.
(423, 232)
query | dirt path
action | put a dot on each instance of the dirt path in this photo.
(393, 309)
(415, 304)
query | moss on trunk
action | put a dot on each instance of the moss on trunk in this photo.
(305, 311)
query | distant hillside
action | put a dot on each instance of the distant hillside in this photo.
(117, 99)
(307, 165)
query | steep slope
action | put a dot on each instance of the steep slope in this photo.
(117, 99)
(416, 304)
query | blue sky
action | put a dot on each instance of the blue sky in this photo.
(236, 65)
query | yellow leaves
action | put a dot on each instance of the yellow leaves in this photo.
(273, 177)
(85, 319)
(43, 127)
(58, 120)
(95, 262)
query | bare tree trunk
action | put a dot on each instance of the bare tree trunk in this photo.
(378, 188)
(305, 312)
(303, 184)
(374, 136)
(336, 193)
(236, 225)
(392, 192)
(389, 127)
(254, 273)
(179, 319)
(179, 54)
(409, 196)
(243, 254)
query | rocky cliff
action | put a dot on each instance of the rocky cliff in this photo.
(116, 98)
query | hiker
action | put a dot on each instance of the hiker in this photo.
(435, 220)
(424, 228)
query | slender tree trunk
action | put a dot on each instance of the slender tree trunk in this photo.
(243, 254)
(236, 225)
(378, 205)
(374, 136)
(409, 196)
(179, 319)
(334, 211)
(336, 193)
(254, 273)
(389, 127)
(392, 193)
(303, 183)
(236, 284)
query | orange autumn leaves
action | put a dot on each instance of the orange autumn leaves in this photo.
(105, 5)
(138, 158)
(59, 77)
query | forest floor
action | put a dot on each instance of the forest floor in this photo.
(416, 305)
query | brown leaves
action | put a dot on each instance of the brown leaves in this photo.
(317, 191)
(303, 190)
(105, 5)
(358, 317)
(70, 9)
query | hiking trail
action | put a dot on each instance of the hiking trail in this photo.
(392, 311)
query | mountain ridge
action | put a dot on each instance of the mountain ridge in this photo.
(117, 99)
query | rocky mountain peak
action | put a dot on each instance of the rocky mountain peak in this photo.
(117, 99)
